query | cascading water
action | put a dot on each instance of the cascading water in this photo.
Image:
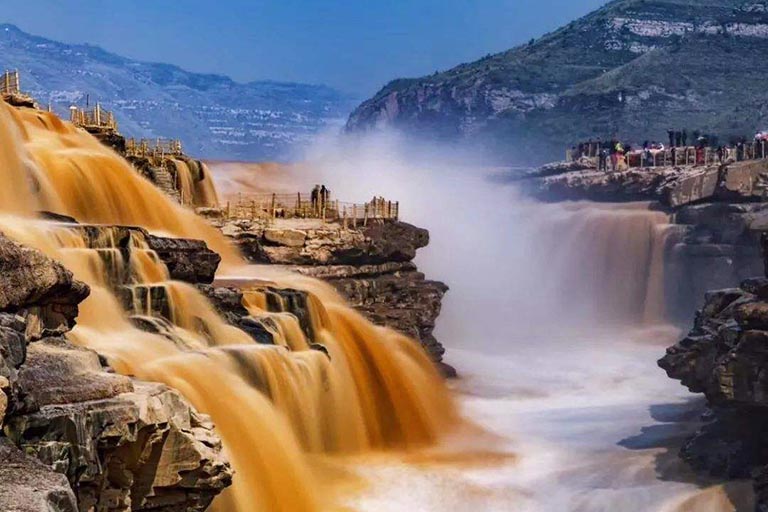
(195, 183)
(556, 317)
(606, 261)
(270, 404)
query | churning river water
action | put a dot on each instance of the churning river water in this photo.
(594, 426)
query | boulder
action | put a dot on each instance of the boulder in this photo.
(285, 237)
(187, 260)
(122, 444)
(37, 287)
(28, 485)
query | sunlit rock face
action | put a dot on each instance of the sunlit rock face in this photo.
(633, 68)
(30, 485)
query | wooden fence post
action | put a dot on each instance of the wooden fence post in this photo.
(274, 205)
(365, 215)
(229, 211)
(354, 216)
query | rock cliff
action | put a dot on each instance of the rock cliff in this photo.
(724, 356)
(77, 436)
(370, 265)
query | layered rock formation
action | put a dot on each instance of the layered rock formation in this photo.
(79, 437)
(724, 356)
(370, 265)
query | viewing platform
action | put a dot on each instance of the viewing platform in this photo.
(154, 149)
(268, 207)
(95, 119)
(10, 90)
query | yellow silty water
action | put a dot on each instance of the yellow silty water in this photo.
(373, 389)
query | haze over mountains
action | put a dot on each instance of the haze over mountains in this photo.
(215, 117)
(633, 68)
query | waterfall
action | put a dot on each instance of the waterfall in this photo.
(607, 261)
(272, 405)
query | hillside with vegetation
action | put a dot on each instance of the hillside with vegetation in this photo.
(632, 69)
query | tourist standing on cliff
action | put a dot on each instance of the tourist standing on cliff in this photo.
(685, 138)
(315, 198)
(325, 196)
(671, 134)
(602, 162)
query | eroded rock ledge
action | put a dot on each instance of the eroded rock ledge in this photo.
(725, 356)
(77, 436)
(370, 265)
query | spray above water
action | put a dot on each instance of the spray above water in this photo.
(374, 389)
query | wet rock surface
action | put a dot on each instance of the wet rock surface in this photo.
(76, 435)
(370, 265)
(725, 356)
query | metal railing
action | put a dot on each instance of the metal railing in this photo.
(156, 148)
(303, 206)
(96, 117)
(10, 83)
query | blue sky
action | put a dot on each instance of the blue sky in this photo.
(356, 46)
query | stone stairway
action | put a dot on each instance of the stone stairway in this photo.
(164, 180)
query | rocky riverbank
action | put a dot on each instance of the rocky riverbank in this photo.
(724, 357)
(717, 241)
(371, 266)
(76, 435)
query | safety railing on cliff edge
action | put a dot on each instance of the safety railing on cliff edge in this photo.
(303, 206)
(96, 117)
(155, 148)
(10, 83)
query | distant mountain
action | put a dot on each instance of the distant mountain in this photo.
(633, 68)
(214, 116)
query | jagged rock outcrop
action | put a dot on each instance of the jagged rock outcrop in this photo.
(594, 185)
(187, 260)
(717, 247)
(28, 485)
(123, 444)
(725, 356)
(70, 424)
(331, 244)
(38, 288)
(392, 294)
(370, 265)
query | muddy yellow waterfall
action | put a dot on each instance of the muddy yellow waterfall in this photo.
(272, 405)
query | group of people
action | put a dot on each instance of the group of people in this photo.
(615, 155)
(321, 197)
